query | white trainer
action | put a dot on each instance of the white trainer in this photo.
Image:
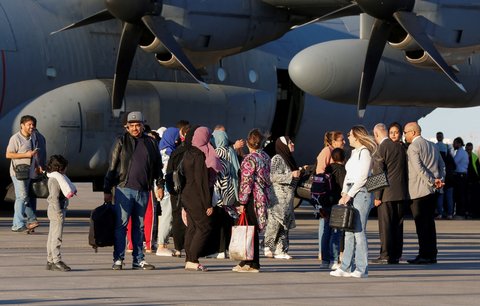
(164, 252)
(282, 256)
(358, 274)
(335, 265)
(340, 273)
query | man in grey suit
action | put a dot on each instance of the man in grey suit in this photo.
(426, 171)
(390, 158)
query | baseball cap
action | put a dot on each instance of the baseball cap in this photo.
(135, 117)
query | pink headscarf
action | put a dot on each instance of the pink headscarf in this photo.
(201, 140)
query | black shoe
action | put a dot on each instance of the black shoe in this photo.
(422, 261)
(49, 265)
(60, 266)
(393, 261)
(19, 230)
(143, 265)
(379, 261)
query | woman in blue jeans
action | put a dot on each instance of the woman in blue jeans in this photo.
(355, 254)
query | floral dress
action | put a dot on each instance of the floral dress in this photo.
(255, 181)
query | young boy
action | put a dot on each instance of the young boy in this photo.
(60, 190)
(330, 238)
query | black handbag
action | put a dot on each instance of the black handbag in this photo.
(343, 217)
(377, 182)
(39, 187)
(304, 187)
(22, 172)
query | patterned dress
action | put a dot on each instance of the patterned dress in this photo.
(255, 181)
(281, 217)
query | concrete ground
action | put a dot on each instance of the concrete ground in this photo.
(300, 281)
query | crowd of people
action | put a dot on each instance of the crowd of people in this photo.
(199, 182)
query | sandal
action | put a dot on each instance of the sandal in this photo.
(190, 266)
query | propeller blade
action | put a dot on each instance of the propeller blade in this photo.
(380, 32)
(409, 23)
(131, 35)
(161, 32)
(324, 16)
(103, 15)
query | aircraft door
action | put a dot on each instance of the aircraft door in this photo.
(290, 104)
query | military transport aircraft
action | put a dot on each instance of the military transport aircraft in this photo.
(65, 79)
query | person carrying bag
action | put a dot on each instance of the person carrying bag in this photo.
(241, 243)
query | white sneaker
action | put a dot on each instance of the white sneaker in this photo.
(358, 274)
(339, 273)
(335, 265)
(282, 256)
(163, 252)
(267, 253)
(221, 255)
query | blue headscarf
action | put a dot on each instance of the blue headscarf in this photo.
(220, 140)
(169, 139)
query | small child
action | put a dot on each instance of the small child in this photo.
(330, 238)
(60, 190)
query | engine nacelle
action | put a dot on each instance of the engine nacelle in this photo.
(451, 56)
(332, 71)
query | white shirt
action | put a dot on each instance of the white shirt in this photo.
(358, 168)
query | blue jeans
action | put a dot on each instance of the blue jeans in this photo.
(23, 204)
(446, 196)
(328, 239)
(129, 202)
(355, 254)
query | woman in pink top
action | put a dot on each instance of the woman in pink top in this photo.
(328, 239)
(332, 140)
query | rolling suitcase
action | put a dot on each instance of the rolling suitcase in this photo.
(343, 217)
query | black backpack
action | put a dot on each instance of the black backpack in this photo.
(102, 226)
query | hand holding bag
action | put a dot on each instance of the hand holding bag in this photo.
(377, 182)
(343, 217)
(39, 187)
(241, 244)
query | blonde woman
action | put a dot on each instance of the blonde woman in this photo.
(355, 254)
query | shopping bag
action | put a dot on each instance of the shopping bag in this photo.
(241, 242)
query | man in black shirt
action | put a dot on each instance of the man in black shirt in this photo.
(135, 165)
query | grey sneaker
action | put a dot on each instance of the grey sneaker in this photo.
(117, 265)
(49, 265)
(20, 229)
(60, 266)
(143, 265)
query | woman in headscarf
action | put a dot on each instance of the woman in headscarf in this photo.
(167, 146)
(225, 194)
(254, 194)
(284, 175)
(200, 163)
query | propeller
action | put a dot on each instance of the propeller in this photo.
(387, 12)
(137, 16)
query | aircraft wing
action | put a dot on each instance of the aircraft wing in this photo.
(317, 8)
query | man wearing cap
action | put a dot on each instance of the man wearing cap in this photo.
(135, 164)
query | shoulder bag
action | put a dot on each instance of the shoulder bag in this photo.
(377, 182)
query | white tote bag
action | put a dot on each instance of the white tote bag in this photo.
(241, 243)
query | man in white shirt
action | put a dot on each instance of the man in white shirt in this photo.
(460, 179)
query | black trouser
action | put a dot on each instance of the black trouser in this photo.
(222, 229)
(460, 183)
(199, 227)
(423, 211)
(178, 228)
(252, 220)
(390, 225)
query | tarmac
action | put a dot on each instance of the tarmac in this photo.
(454, 280)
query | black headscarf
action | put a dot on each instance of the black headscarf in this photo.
(283, 150)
